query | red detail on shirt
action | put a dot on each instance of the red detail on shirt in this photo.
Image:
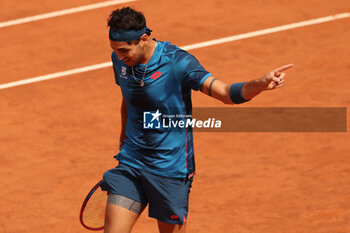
(156, 75)
(174, 217)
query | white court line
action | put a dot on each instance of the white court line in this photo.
(268, 31)
(62, 12)
(56, 75)
(188, 47)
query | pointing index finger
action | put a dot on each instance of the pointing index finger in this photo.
(283, 68)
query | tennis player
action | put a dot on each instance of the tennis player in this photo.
(156, 164)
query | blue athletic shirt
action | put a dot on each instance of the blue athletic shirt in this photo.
(171, 74)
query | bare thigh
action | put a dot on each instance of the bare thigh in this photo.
(119, 219)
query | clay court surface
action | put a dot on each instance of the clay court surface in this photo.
(59, 136)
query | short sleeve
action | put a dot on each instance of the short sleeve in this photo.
(192, 72)
(115, 62)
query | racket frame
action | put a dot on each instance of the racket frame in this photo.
(84, 205)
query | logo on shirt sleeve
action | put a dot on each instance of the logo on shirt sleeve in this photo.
(123, 73)
(151, 120)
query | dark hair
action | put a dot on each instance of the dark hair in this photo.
(126, 19)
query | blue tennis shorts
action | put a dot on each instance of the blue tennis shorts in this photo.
(167, 197)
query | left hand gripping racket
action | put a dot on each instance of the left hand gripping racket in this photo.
(92, 212)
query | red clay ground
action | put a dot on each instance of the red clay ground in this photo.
(58, 137)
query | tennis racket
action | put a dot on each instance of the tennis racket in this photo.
(92, 212)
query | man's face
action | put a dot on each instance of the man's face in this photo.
(131, 54)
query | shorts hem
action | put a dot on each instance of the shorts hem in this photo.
(169, 221)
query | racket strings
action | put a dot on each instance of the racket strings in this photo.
(94, 213)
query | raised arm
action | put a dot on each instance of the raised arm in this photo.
(241, 92)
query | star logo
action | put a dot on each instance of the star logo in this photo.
(151, 120)
(156, 115)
